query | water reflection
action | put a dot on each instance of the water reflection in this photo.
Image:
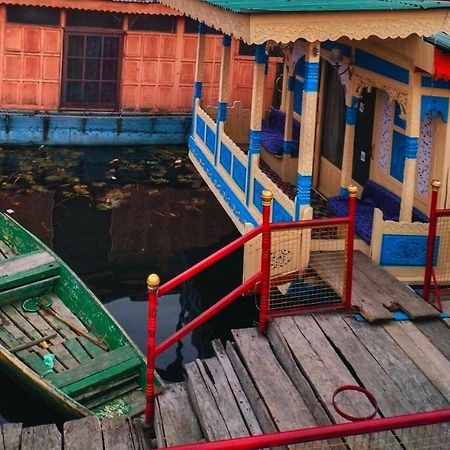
(115, 215)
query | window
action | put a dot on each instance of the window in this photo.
(94, 19)
(143, 22)
(246, 50)
(191, 26)
(31, 15)
(91, 70)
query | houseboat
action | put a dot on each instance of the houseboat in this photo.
(365, 100)
(106, 72)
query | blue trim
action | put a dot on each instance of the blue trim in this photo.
(201, 128)
(279, 214)
(398, 155)
(257, 191)
(202, 28)
(311, 82)
(303, 197)
(300, 67)
(298, 96)
(198, 89)
(211, 140)
(397, 119)
(260, 54)
(225, 158)
(406, 250)
(288, 147)
(226, 193)
(226, 40)
(411, 147)
(239, 174)
(345, 49)
(430, 82)
(433, 105)
(398, 316)
(222, 108)
(254, 146)
(291, 83)
(343, 192)
(381, 66)
(350, 116)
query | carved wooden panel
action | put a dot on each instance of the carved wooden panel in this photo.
(31, 67)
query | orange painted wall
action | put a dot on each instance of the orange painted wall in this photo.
(30, 75)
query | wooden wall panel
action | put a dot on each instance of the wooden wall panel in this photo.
(31, 67)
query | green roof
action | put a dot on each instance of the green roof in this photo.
(441, 40)
(271, 6)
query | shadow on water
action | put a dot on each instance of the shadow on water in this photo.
(115, 215)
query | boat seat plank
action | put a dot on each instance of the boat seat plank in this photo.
(110, 392)
(24, 263)
(83, 434)
(11, 435)
(400, 296)
(6, 250)
(28, 276)
(99, 364)
(27, 291)
(178, 420)
(42, 436)
(76, 350)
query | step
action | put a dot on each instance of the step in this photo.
(180, 425)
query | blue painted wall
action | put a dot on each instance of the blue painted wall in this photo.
(61, 129)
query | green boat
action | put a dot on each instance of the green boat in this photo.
(56, 338)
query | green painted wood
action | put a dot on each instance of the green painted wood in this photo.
(28, 291)
(35, 362)
(111, 395)
(113, 373)
(5, 251)
(99, 364)
(92, 349)
(77, 351)
(29, 276)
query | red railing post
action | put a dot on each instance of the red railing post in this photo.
(352, 192)
(267, 197)
(152, 286)
(432, 227)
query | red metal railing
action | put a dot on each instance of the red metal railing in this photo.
(437, 266)
(415, 437)
(261, 280)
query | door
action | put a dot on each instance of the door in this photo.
(362, 150)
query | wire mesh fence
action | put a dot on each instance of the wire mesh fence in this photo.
(442, 268)
(308, 267)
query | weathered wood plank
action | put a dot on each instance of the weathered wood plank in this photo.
(159, 429)
(399, 367)
(109, 393)
(83, 434)
(438, 333)
(211, 421)
(12, 435)
(370, 374)
(2, 446)
(6, 250)
(424, 354)
(117, 434)
(141, 434)
(23, 263)
(272, 382)
(30, 290)
(92, 350)
(256, 401)
(178, 418)
(42, 436)
(77, 351)
(242, 401)
(59, 307)
(400, 296)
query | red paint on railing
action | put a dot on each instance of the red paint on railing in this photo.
(350, 246)
(265, 262)
(323, 433)
(210, 312)
(432, 227)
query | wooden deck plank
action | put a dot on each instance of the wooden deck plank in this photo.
(322, 366)
(401, 297)
(12, 433)
(42, 436)
(24, 263)
(83, 434)
(178, 419)
(424, 354)
(398, 365)
(438, 333)
(117, 434)
(368, 371)
(257, 403)
(272, 382)
(242, 401)
(141, 434)
(210, 420)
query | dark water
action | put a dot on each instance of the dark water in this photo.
(115, 215)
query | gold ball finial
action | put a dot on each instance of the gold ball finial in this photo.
(267, 197)
(153, 281)
(352, 190)
(435, 184)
